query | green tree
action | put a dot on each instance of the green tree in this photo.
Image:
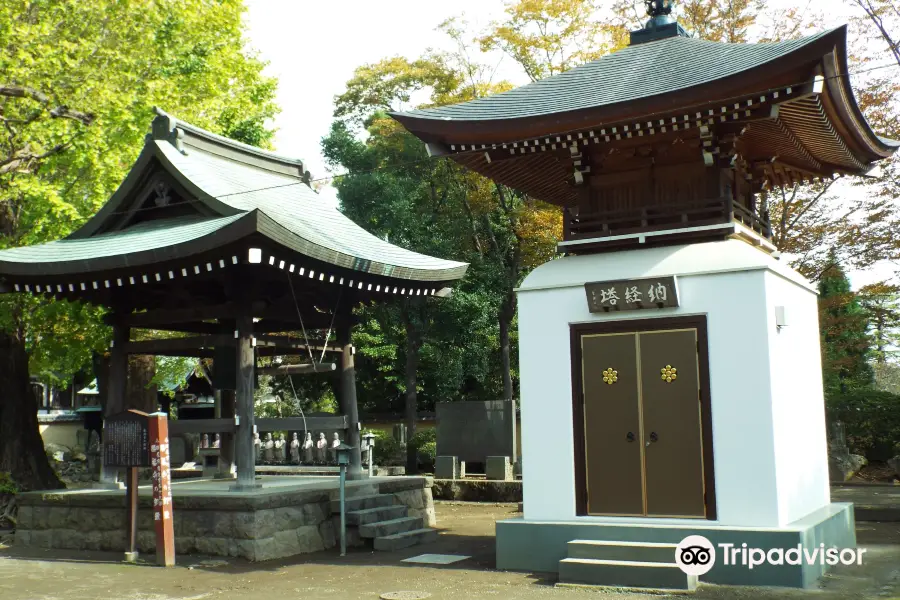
(844, 327)
(78, 82)
(882, 303)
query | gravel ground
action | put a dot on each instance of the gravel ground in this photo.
(468, 530)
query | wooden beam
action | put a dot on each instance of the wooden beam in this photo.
(303, 369)
(201, 426)
(313, 423)
(156, 319)
(294, 343)
(195, 319)
(199, 328)
(163, 346)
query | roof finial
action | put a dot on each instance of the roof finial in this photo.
(660, 12)
(656, 8)
(661, 24)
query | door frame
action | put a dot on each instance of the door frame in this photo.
(698, 322)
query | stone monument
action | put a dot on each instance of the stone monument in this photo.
(204, 441)
(256, 445)
(217, 441)
(308, 449)
(295, 450)
(279, 449)
(269, 453)
(321, 449)
(332, 451)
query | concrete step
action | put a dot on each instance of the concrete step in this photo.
(362, 502)
(628, 551)
(406, 539)
(385, 528)
(374, 515)
(628, 574)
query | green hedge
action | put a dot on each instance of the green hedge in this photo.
(871, 421)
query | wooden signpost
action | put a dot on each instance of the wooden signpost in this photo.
(162, 490)
(134, 439)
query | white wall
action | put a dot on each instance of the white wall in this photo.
(738, 321)
(797, 400)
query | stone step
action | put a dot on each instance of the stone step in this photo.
(406, 539)
(362, 502)
(628, 551)
(385, 528)
(374, 515)
(627, 574)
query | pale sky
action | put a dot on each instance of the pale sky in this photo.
(313, 47)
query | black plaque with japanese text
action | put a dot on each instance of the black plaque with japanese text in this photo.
(632, 294)
(126, 440)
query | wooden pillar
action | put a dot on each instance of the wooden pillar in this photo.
(347, 398)
(117, 384)
(226, 449)
(243, 435)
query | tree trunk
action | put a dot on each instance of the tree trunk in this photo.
(413, 342)
(506, 314)
(21, 447)
(139, 393)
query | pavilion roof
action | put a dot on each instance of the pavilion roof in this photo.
(635, 72)
(228, 191)
(786, 107)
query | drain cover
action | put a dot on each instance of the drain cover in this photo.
(404, 595)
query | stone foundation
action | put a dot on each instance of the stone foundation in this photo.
(272, 523)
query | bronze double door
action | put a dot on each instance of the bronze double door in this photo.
(643, 430)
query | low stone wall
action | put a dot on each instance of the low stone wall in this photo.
(257, 526)
(477, 490)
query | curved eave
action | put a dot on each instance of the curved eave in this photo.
(216, 237)
(279, 234)
(851, 122)
(773, 73)
(234, 230)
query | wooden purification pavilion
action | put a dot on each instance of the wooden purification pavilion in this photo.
(229, 246)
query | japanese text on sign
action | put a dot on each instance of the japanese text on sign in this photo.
(632, 294)
(126, 439)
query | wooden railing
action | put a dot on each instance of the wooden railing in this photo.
(661, 218)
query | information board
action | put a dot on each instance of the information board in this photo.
(126, 440)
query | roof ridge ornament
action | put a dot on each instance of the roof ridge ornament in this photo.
(165, 128)
(661, 24)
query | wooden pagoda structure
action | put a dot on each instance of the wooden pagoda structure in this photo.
(674, 364)
(227, 245)
(670, 139)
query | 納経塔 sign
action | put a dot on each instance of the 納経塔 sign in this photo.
(632, 294)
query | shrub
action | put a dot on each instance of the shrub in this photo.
(388, 451)
(425, 443)
(871, 421)
(7, 485)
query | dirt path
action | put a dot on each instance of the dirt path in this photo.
(469, 529)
